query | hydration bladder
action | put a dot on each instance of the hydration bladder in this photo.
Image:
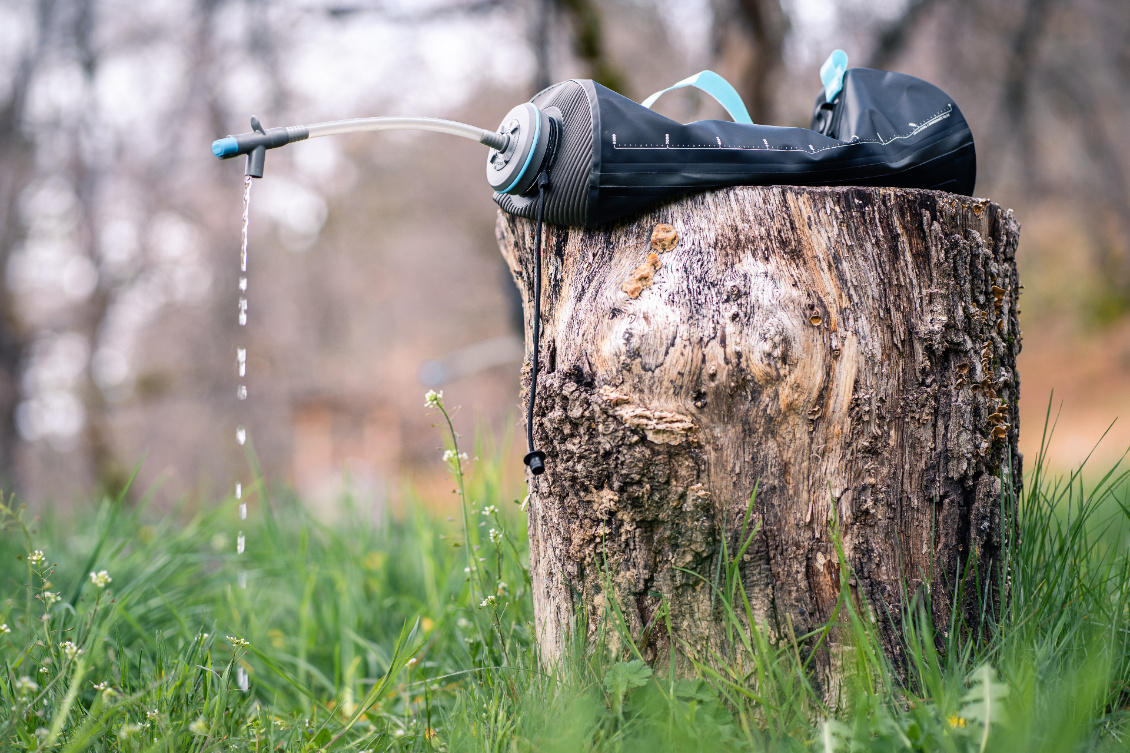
(581, 155)
(610, 157)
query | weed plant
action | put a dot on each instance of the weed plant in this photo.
(122, 631)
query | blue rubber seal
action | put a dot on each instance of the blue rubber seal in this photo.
(530, 156)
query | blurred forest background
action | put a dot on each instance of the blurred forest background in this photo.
(374, 273)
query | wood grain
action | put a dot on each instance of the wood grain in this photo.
(850, 352)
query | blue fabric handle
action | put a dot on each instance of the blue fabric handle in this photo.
(832, 74)
(717, 87)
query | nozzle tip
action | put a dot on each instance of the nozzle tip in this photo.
(225, 147)
(535, 461)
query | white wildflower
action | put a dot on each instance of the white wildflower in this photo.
(503, 588)
(70, 650)
(36, 557)
(26, 685)
(487, 602)
(495, 535)
(199, 727)
(153, 715)
(101, 578)
(490, 510)
(237, 642)
(4, 629)
(50, 597)
(433, 399)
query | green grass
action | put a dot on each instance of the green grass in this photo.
(415, 633)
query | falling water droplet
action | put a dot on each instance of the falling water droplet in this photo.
(240, 434)
(241, 392)
(243, 284)
(238, 490)
(243, 511)
(241, 358)
(240, 543)
(241, 678)
(243, 312)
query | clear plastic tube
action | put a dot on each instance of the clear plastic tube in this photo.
(450, 127)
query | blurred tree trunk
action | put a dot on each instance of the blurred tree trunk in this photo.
(17, 165)
(15, 168)
(749, 37)
(850, 353)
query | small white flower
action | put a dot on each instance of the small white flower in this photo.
(412, 662)
(463, 622)
(487, 602)
(42, 733)
(128, 730)
(4, 629)
(43, 670)
(433, 399)
(450, 456)
(199, 727)
(152, 715)
(495, 535)
(490, 510)
(503, 588)
(100, 686)
(70, 650)
(237, 642)
(26, 685)
(50, 597)
(36, 557)
(101, 578)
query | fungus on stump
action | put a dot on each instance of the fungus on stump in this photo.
(848, 352)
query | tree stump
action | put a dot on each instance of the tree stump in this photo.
(851, 352)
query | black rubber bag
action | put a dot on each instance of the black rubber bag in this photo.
(616, 158)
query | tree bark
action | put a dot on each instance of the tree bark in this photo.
(848, 352)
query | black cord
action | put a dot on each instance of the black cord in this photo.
(535, 459)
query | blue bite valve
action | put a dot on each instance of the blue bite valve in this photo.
(225, 147)
(256, 143)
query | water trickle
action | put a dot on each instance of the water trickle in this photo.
(246, 219)
(242, 680)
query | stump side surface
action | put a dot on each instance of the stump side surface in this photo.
(848, 352)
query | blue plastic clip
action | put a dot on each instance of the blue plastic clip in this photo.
(832, 74)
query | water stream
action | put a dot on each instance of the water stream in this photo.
(241, 394)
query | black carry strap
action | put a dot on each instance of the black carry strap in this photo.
(535, 459)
